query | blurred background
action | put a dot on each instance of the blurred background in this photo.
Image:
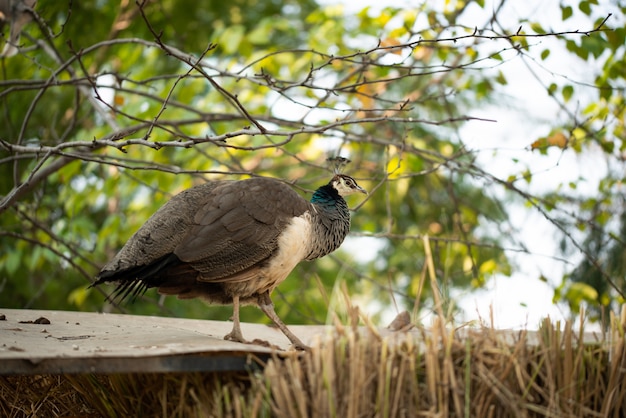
(490, 135)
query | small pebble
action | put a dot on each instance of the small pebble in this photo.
(40, 320)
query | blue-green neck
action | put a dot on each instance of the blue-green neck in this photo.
(325, 195)
(330, 222)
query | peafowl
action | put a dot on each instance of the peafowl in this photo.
(232, 242)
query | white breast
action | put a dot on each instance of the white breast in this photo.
(293, 248)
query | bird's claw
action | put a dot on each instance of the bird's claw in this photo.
(236, 337)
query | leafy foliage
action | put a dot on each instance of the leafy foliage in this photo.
(101, 127)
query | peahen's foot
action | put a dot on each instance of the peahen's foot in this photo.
(237, 337)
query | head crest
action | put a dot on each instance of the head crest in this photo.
(338, 163)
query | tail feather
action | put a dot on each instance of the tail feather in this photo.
(135, 281)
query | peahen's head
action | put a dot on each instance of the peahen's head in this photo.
(345, 185)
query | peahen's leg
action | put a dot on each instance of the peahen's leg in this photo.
(235, 334)
(266, 305)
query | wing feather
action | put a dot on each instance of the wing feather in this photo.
(223, 231)
(239, 227)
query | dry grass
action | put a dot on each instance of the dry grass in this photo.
(484, 373)
(128, 395)
(354, 372)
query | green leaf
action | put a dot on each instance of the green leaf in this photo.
(594, 45)
(581, 292)
(567, 92)
(566, 12)
(501, 79)
(537, 28)
(607, 146)
(12, 262)
(261, 34)
(616, 37)
(585, 7)
(231, 38)
(552, 88)
(545, 54)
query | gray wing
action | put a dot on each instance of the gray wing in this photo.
(238, 228)
(163, 231)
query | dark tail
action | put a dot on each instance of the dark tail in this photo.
(135, 281)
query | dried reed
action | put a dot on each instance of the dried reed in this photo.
(354, 371)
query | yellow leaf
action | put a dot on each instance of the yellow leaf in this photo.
(540, 143)
(579, 134)
(402, 188)
(394, 167)
(488, 267)
(467, 264)
(390, 43)
(383, 18)
(366, 94)
(557, 140)
(422, 53)
(579, 292)
(78, 296)
(434, 228)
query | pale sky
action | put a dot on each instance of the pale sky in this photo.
(522, 300)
